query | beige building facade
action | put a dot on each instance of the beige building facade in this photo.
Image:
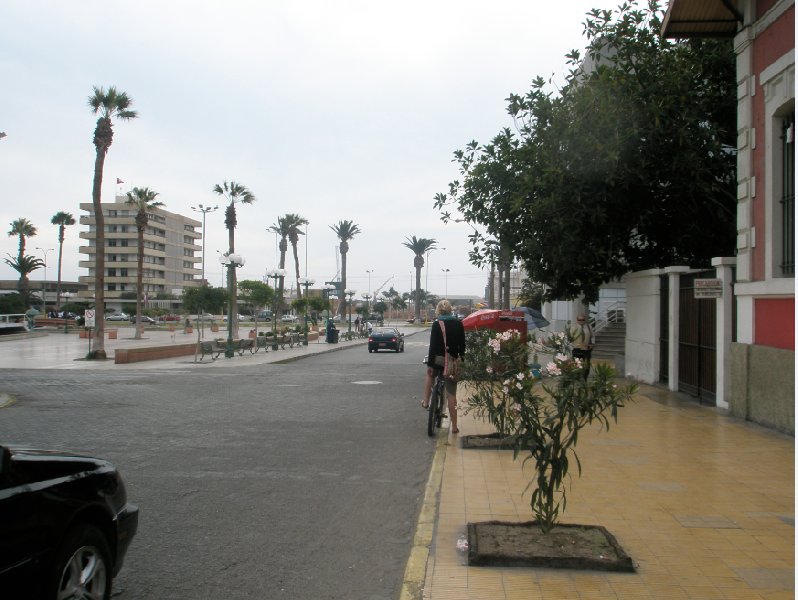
(172, 253)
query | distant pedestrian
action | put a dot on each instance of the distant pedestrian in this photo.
(583, 341)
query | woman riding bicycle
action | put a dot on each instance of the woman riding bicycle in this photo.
(455, 346)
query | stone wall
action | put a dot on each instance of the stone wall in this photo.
(763, 386)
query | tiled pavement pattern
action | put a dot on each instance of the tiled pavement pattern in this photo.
(703, 503)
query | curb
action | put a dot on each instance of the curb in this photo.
(416, 568)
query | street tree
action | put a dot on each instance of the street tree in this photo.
(142, 199)
(23, 229)
(419, 246)
(62, 219)
(24, 265)
(345, 230)
(204, 298)
(282, 228)
(295, 224)
(257, 294)
(108, 104)
(629, 166)
(234, 193)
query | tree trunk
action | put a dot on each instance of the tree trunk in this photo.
(99, 255)
(139, 281)
(231, 276)
(343, 301)
(418, 290)
(60, 256)
(281, 286)
(296, 266)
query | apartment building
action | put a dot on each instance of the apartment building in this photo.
(172, 253)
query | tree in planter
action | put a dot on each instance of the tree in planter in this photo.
(543, 426)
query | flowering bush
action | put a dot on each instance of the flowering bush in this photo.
(541, 416)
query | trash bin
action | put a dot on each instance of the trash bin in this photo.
(332, 336)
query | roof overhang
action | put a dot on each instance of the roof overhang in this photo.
(701, 18)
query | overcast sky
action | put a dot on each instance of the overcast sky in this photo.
(332, 110)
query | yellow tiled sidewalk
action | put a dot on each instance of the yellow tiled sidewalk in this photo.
(702, 502)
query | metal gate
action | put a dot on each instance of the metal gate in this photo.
(697, 356)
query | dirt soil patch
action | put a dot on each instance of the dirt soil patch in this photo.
(487, 441)
(502, 544)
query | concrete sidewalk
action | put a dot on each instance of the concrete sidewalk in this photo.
(703, 503)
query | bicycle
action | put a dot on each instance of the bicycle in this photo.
(437, 401)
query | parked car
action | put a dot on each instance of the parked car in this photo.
(203, 317)
(240, 318)
(145, 320)
(265, 315)
(289, 319)
(376, 318)
(65, 524)
(386, 338)
(170, 318)
(120, 316)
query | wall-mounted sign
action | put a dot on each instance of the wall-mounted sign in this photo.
(708, 288)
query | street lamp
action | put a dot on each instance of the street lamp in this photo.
(44, 283)
(349, 294)
(204, 210)
(367, 297)
(231, 261)
(446, 281)
(306, 283)
(275, 274)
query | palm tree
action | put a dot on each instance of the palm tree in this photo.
(24, 229)
(142, 199)
(234, 193)
(419, 246)
(282, 228)
(295, 224)
(108, 104)
(24, 265)
(62, 219)
(345, 230)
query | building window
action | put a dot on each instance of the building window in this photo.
(788, 196)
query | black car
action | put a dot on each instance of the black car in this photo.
(386, 338)
(65, 525)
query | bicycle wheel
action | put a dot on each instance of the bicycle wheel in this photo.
(441, 399)
(431, 412)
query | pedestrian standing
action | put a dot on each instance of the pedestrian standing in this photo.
(583, 341)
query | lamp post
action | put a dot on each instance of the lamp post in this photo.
(231, 261)
(275, 274)
(367, 298)
(328, 292)
(446, 282)
(306, 283)
(349, 294)
(44, 283)
(204, 210)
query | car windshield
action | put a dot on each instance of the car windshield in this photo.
(384, 331)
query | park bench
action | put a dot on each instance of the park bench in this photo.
(212, 349)
(261, 342)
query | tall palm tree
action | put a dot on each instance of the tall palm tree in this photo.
(62, 219)
(295, 224)
(419, 246)
(24, 265)
(234, 193)
(24, 229)
(281, 228)
(143, 199)
(345, 230)
(107, 104)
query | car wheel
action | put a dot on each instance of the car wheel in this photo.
(83, 566)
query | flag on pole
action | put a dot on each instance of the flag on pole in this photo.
(119, 180)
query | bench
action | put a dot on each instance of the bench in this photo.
(213, 349)
(261, 342)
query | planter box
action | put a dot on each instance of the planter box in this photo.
(112, 334)
(131, 355)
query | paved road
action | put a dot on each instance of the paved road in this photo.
(270, 481)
